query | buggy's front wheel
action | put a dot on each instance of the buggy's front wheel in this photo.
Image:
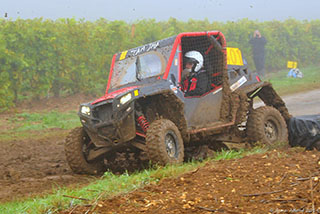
(77, 147)
(164, 143)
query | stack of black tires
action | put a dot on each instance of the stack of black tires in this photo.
(305, 131)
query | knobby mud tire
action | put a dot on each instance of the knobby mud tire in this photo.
(75, 156)
(259, 122)
(156, 142)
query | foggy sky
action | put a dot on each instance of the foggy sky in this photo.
(161, 10)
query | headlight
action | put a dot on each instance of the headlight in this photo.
(85, 110)
(125, 98)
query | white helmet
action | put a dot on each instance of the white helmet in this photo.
(194, 57)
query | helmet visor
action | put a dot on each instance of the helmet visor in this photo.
(190, 60)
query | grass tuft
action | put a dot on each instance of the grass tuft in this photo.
(25, 125)
(40, 121)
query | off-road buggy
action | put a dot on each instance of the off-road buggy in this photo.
(145, 111)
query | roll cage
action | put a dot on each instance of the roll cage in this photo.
(211, 44)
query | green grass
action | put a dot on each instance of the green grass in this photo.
(40, 121)
(24, 125)
(110, 185)
(289, 85)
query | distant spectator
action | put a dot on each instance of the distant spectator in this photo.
(258, 42)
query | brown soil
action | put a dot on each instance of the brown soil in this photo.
(262, 183)
(35, 166)
(31, 167)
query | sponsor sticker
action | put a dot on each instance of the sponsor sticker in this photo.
(239, 83)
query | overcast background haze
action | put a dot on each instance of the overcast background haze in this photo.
(133, 10)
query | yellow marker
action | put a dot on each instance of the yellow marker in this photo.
(123, 55)
(136, 92)
(234, 56)
(292, 64)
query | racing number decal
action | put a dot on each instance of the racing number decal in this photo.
(234, 56)
(123, 55)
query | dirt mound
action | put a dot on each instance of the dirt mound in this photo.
(31, 167)
(279, 181)
(37, 166)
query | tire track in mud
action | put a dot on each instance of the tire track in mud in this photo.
(31, 167)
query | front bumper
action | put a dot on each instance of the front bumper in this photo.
(109, 124)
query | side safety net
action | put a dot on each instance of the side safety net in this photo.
(213, 64)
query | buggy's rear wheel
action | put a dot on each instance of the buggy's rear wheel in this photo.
(267, 126)
(164, 143)
(77, 147)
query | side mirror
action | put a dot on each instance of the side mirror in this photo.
(173, 79)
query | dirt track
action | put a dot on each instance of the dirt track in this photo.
(31, 167)
(304, 103)
(259, 183)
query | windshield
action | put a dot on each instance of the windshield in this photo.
(137, 68)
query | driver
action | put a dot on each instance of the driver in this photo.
(194, 77)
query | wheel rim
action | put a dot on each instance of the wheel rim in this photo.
(171, 145)
(271, 130)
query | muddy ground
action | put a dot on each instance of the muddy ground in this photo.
(31, 167)
(276, 182)
(34, 166)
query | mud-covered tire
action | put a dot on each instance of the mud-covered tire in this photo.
(267, 126)
(164, 143)
(74, 145)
